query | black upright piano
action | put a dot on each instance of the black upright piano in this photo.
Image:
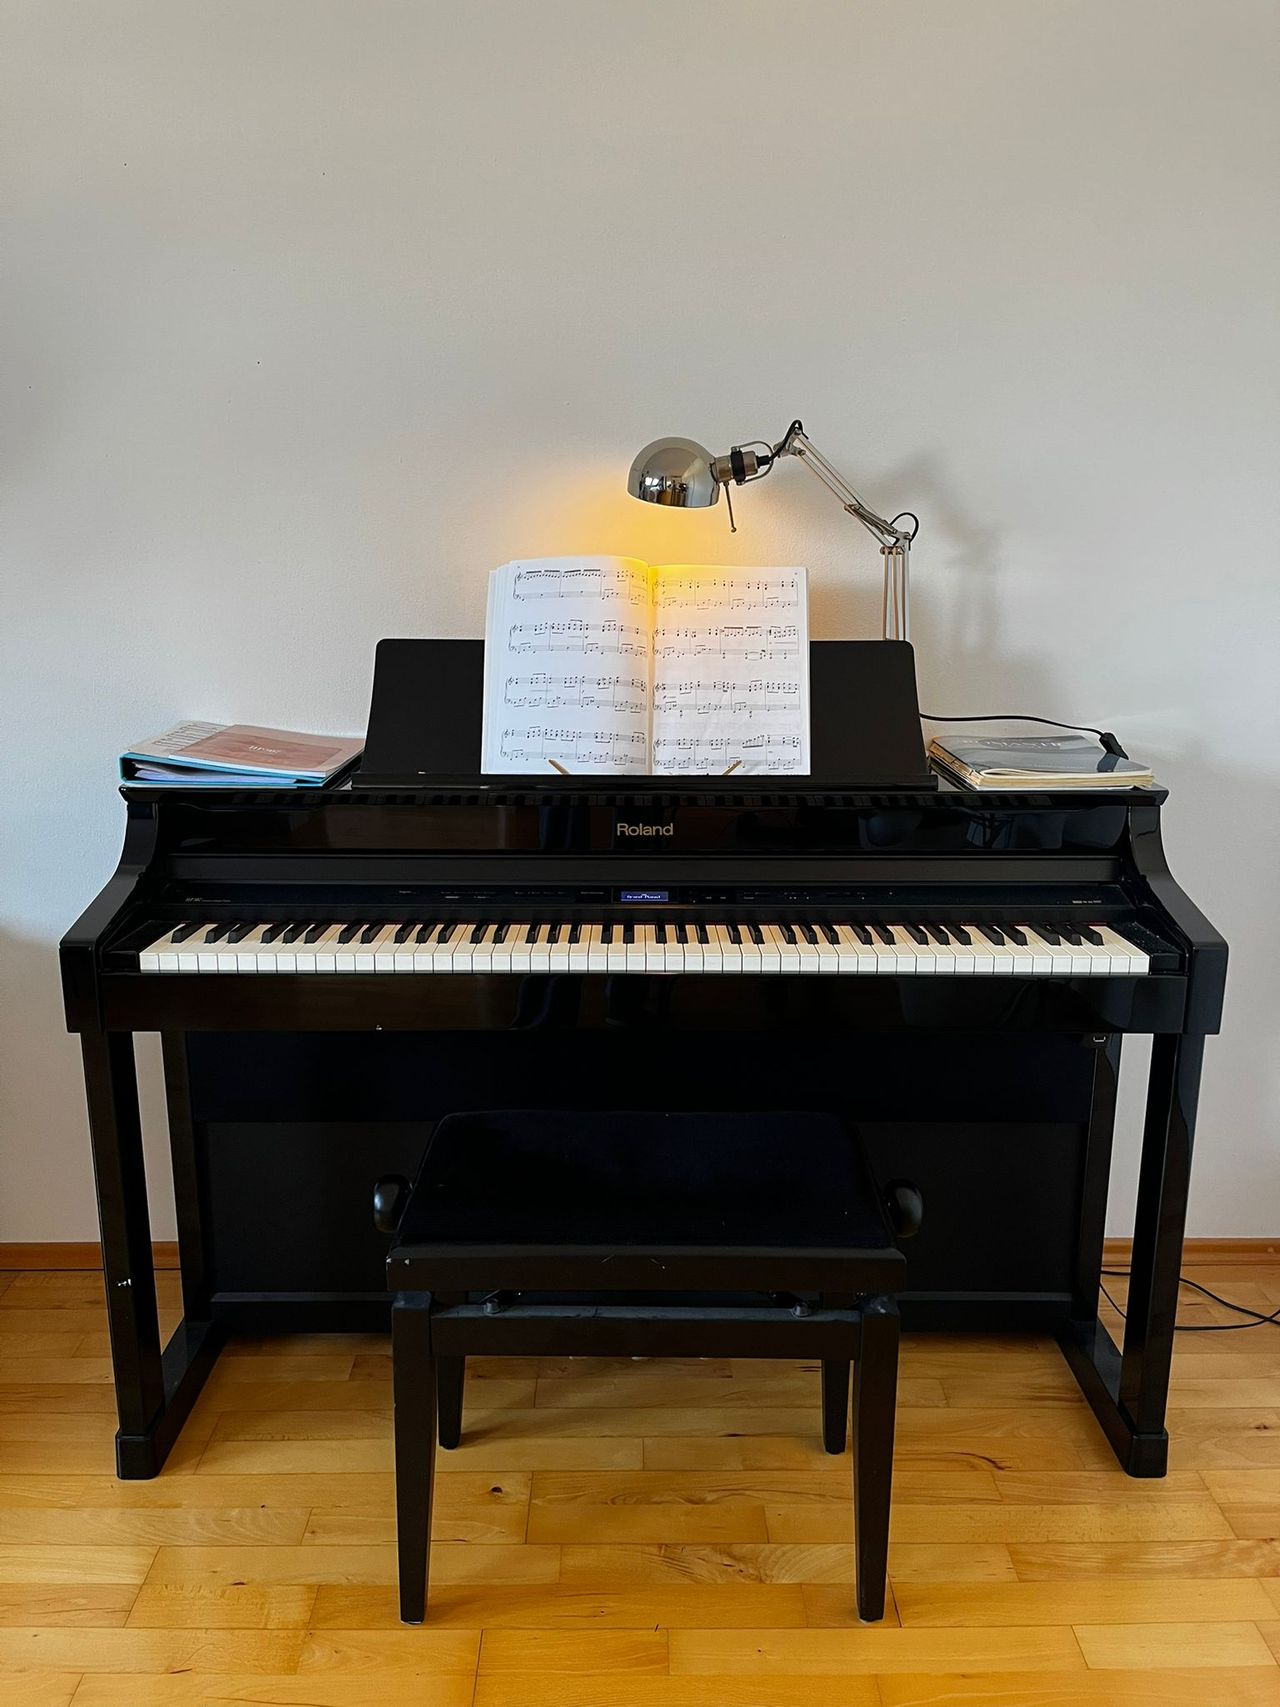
(331, 971)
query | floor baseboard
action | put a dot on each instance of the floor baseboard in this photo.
(59, 1255)
(1205, 1253)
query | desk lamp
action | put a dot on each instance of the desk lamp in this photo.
(685, 475)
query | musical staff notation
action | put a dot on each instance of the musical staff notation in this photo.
(580, 749)
(695, 697)
(543, 690)
(599, 582)
(726, 592)
(577, 634)
(753, 641)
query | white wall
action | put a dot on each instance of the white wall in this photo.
(317, 309)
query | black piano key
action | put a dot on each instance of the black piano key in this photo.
(240, 930)
(606, 935)
(313, 933)
(297, 928)
(424, 931)
(863, 935)
(701, 931)
(682, 933)
(373, 930)
(1090, 935)
(960, 934)
(788, 933)
(215, 933)
(348, 933)
(829, 931)
(916, 935)
(184, 931)
(477, 932)
(406, 930)
(1068, 933)
(500, 931)
(446, 931)
(575, 932)
(1015, 934)
(531, 935)
(938, 935)
(1046, 933)
(553, 933)
(809, 935)
(754, 932)
(735, 935)
(885, 935)
(992, 935)
(660, 933)
(628, 932)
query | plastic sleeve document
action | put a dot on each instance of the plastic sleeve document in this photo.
(607, 666)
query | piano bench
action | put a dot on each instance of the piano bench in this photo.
(645, 1235)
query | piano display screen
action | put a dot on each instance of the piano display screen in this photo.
(644, 897)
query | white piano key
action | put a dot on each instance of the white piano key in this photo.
(730, 951)
(787, 952)
(247, 949)
(712, 951)
(160, 955)
(189, 951)
(596, 956)
(944, 955)
(1126, 958)
(923, 953)
(770, 953)
(752, 953)
(856, 958)
(578, 950)
(558, 951)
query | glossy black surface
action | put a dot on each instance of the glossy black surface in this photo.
(995, 1094)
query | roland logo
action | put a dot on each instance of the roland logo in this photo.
(625, 829)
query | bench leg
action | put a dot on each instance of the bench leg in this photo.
(450, 1373)
(414, 1383)
(835, 1405)
(875, 1393)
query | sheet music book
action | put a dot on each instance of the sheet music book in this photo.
(608, 665)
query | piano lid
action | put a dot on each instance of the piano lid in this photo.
(425, 718)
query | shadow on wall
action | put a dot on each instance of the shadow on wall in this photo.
(46, 1169)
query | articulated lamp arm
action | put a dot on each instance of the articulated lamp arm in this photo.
(683, 474)
(753, 462)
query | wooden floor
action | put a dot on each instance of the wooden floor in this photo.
(631, 1534)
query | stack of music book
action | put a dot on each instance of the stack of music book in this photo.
(1034, 761)
(231, 755)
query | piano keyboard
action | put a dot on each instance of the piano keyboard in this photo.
(372, 946)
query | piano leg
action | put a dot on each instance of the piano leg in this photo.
(154, 1390)
(1128, 1388)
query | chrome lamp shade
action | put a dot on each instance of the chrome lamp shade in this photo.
(676, 472)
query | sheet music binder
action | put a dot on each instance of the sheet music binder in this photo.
(425, 716)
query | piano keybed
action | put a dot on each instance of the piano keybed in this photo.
(1030, 949)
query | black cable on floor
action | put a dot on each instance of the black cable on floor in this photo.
(1259, 1320)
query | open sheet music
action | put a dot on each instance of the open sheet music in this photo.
(607, 665)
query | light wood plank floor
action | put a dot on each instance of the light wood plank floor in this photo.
(618, 1534)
